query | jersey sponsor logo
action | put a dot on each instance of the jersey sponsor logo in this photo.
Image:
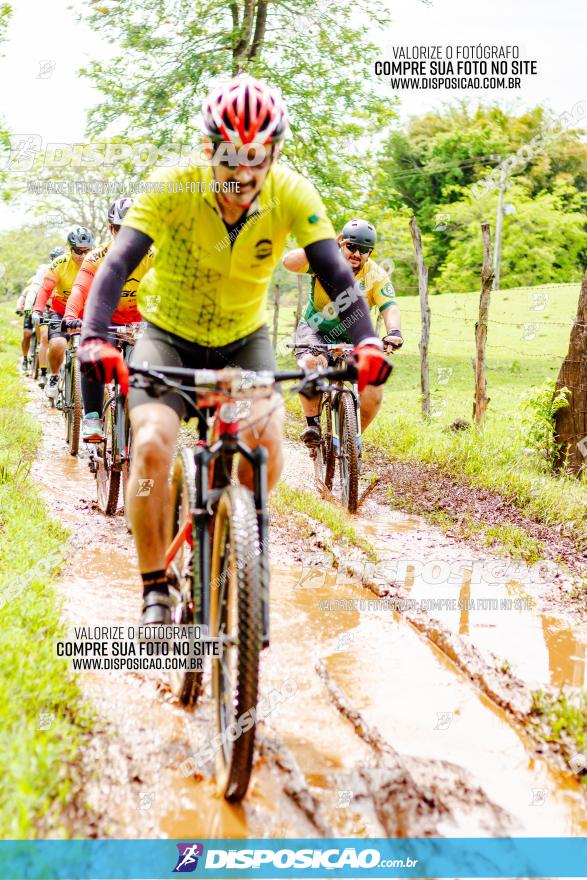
(263, 249)
(387, 290)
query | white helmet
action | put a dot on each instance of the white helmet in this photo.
(118, 209)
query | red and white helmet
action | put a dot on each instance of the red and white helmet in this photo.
(245, 111)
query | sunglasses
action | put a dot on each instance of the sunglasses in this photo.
(251, 160)
(80, 251)
(361, 248)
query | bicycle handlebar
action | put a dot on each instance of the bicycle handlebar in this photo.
(232, 381)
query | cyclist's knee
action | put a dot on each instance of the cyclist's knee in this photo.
(152, 448)
(313, 361)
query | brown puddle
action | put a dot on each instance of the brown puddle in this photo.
(411, 693)
(403, 686)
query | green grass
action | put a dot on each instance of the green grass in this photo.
(509, 539)
(286, 499)
(527, 339)
(37, 766)
(565, 718)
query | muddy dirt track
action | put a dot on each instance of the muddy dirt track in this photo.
(385, 734)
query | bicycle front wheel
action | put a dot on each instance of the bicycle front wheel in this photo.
(324, 462)
(183, 568)
(107, 474)
(34, 357)
(236, 619)
(73, 407)
(126, 464)
(348, 452)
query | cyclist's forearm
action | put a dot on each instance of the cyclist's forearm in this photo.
(79, 294)
(129, 248)
(338, 281)
(43, 294)
(296, 260)
(392, 318)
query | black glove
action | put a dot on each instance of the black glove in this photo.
(394, 339)
(19, 312)
(69, 324)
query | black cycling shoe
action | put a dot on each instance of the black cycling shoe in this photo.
(312, 436)
(156, 608)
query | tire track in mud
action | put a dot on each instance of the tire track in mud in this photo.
(314, 776)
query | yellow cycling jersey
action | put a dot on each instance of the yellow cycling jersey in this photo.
(375, 285)
(205, 286)
(57, 283)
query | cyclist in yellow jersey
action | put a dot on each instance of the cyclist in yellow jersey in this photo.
(357, 240)
(55, 290)
(218, 232)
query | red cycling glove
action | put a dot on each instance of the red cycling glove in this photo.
(373, 368)
(101, 362)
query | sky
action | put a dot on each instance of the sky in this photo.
(46, 96)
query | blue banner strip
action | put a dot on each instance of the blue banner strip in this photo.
(312, 858)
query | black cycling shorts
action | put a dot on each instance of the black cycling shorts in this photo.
(27, 322)
(55, 326)
(158, 347)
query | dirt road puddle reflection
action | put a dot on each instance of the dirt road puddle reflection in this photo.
(479, 598)
(409, 691)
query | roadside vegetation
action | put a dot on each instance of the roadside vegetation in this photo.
(562, 719)
(286, 500)
(42, 719)
(527, 339)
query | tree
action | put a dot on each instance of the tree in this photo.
(541, 242)
(429, 164)
(5, 14)
(21, 251)
(172, 51)
(571, 421)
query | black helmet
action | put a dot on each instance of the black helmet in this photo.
(118, 209)
(360, 232)
(80, 237)
(57, 252)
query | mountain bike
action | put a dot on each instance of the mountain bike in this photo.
(69, 394)
(340, 426)
(217, 559)
(110, 459)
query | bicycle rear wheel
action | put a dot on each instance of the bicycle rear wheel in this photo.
(73, 404)
(183, 570)
(236, 618)
(325, 461)
(107, 475)
(348, 452)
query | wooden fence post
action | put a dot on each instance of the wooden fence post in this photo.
(299, 301)
(425, 315)
(481, 399)
(276, 315)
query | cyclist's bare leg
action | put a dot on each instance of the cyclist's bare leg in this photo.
(26, 341)
(43, 340)
(57, 348)
(264, 427)
(370, 399)
(311, 362)
(155, 428)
